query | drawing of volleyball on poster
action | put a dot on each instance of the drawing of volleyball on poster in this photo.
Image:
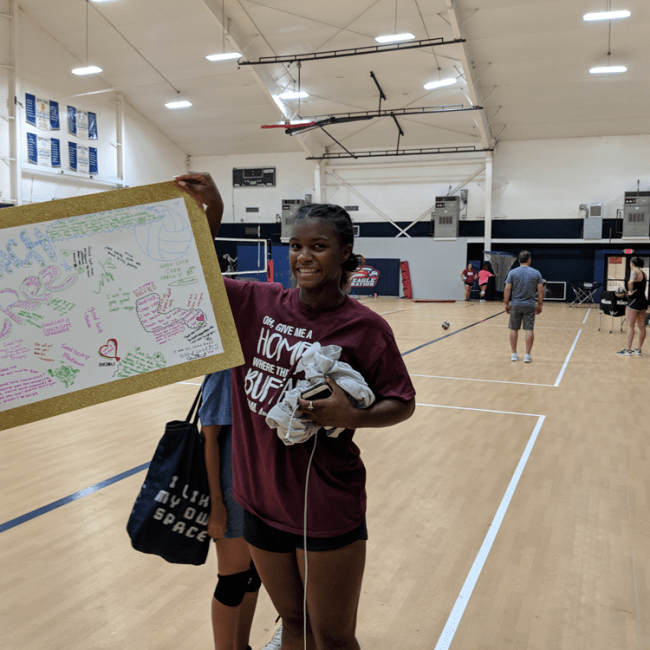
(92, 299)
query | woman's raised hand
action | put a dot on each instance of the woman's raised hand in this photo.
(202, 188)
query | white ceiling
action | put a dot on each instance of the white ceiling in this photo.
(528, 66)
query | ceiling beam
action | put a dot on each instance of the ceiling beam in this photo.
(465, 59)
(267, 83)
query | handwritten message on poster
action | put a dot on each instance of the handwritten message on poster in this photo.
(91, 300)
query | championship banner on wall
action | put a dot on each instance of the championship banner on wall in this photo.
(42, 113)
(82, 159)
(43, 151)
(377, 276)
(82, 124)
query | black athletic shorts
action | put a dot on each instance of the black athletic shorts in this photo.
(259, 534)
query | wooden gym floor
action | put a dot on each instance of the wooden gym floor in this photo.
(511, 511)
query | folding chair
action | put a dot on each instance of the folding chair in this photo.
(585, 293)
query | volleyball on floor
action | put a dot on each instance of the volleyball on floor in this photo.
(166, 239)
(445, 325)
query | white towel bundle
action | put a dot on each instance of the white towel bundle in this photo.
(317, 362)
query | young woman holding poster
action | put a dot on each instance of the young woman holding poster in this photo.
(276, 326)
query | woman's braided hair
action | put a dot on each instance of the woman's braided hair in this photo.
(341, 222)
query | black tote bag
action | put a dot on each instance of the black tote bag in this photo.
(170, 515)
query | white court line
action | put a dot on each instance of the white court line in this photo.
(454, 619)
(586, 316)
(566, 362)
(539, 327)
(469, 408)
(518, 383)
(489, 381)
(188, 383)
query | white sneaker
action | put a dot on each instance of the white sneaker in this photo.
(276, 642)
(527, 358)
(514, 356)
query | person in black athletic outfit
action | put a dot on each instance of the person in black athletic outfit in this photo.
(636, 306)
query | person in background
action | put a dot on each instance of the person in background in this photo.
(483, 276)
(637, 306)
(524, 285)
(283, 525)
(468, 276)
(234, 600)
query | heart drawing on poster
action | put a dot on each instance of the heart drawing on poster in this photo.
(109, 350)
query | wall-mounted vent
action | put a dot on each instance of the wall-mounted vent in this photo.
(252, 209)
(351, 208)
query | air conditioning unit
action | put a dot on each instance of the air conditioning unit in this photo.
(636, 215)
(290, 209)
(592, 227)
(445, 217)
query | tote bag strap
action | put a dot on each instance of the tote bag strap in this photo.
(196, 405)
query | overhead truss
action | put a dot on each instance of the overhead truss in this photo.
(424, 151)
(353, 51)
(319, 121)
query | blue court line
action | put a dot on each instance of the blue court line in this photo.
(73, 497)
(98, 486)
(446, 336)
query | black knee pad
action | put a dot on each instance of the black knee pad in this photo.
(254, 580)
(231, 589)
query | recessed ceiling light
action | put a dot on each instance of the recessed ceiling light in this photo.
(607, 15)
(439, 84)
(394, 38)
(226, 56)
(179, 104)
(609, 69)
(91, 69)
(294, 95)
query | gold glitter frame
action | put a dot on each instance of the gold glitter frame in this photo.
(231, 356)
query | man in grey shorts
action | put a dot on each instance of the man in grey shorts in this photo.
(523, 298)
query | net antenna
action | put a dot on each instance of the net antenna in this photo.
(501, 263)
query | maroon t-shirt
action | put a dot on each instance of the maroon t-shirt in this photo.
(275, 328)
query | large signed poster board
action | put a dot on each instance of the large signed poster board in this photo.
(104, 296)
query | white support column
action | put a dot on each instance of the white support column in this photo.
(15, 124)
(320, 190)
(119, 136)
(488, 202)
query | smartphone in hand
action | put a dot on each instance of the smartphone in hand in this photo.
(319, 391)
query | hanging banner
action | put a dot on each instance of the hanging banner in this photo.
(42, 113)
(378, 276)
(82, 159)
(107, 295)
(43, 151)
(82, 124)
